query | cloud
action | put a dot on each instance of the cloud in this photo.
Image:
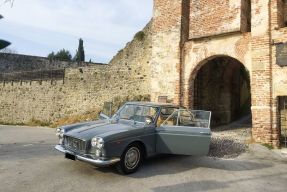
(105, 25)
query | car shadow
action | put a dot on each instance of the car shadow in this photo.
(174, 164)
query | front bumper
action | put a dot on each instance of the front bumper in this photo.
(97, 162)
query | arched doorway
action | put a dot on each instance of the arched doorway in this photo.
(222, 85)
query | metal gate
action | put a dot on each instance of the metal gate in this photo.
(283, 119)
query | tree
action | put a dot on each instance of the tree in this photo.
(62, 55)
(9, 1)
(80, 55)
(3, 43)
(9, 50)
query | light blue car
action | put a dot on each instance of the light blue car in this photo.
(137, 131)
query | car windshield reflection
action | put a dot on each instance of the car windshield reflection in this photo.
(138, 113)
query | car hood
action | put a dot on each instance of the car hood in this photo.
(98, 128)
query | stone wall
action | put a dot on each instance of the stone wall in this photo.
(184, 35)
(83, 89)
(166, 55)
(19, 63)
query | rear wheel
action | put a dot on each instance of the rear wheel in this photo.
(130, 159)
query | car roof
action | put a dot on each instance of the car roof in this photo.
(152, 104)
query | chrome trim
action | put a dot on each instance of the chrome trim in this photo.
(97, 162)
(74, 144)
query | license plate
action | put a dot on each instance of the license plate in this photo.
(69, 156)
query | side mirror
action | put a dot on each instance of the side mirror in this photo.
(104, 116)
(148, 120)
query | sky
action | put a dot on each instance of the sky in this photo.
(38, 27)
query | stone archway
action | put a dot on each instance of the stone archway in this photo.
(221, 84)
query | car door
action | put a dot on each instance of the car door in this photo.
(185, 133)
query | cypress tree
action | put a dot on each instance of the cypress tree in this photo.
(80, 56)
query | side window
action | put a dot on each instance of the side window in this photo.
(172, 120)
(198, 119)
(186, 118)
(164, 114)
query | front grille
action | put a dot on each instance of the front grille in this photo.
(74, 144)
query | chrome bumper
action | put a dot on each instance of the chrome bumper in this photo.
(97, 162)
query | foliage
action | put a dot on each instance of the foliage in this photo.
(140, 35)
(80, 55)
(10, 123)
(62, 55)
(33, 123)
(269, 146)
(9, 1)
(90, 115)
(3, 43)
(8, 50)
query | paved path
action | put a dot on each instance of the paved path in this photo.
(28, 163)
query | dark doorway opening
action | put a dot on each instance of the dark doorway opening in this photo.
(222, 85)
(283, 120)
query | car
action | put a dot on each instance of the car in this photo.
(138, 130)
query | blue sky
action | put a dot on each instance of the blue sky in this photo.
(38, 27)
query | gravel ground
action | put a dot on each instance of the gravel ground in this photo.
(230, 141)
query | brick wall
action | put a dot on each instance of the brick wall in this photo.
(215, 17)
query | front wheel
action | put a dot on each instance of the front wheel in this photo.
(130, 159)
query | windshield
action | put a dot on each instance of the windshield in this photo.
(137, 112)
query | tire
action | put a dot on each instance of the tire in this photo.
(131, 159)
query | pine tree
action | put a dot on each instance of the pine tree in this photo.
(62, 55)
(80, 55)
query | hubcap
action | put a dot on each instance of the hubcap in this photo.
(132, 158)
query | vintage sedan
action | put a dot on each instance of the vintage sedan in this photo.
(137, 131)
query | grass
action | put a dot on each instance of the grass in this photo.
(267, 145)
(87, 116)
(10, 123)
(33, 123)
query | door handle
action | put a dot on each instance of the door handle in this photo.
(204, 133)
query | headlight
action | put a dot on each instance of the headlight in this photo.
(97, 142)
(60, 132)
